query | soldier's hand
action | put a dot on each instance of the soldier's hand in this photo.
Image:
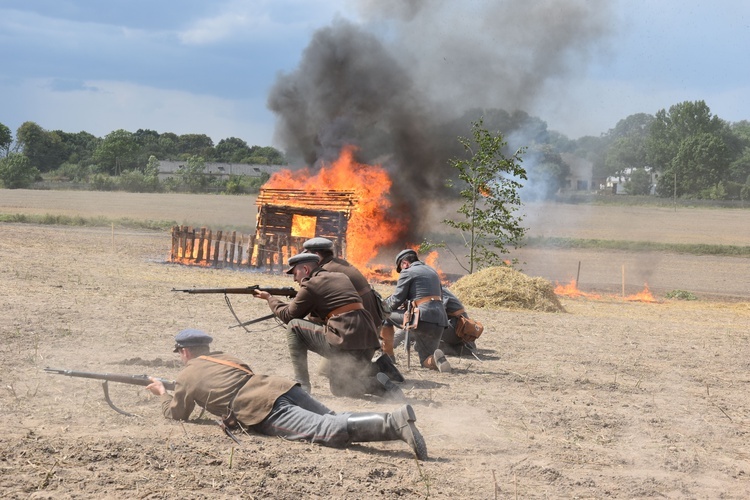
(261, 294)
(156, 387)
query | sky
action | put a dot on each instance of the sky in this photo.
(227, 68)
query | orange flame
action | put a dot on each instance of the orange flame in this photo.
(642, 296)
(370, 226)
(303, 225)
(571, 290)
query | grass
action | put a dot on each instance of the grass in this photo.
(66, 220)
(640, 246)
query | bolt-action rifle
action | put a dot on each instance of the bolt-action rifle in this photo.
(284, 291)
(142, 380)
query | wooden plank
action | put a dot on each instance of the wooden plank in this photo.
(201, 238)
(207, 255)
(217, 246)
(231, 244)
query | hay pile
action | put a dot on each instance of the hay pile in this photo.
(502, 286)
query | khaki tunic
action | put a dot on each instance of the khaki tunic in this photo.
(322, 293)
(214, 386)
(369, 299)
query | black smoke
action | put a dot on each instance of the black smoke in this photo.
(405, 82)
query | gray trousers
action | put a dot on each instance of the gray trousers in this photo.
(351, 372)
(426, 335)
(298, 416)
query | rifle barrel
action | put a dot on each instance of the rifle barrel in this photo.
(142, 380)
(286, 291)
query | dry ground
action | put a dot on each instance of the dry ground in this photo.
(611, 399)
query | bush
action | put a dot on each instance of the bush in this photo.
(134, 181)
(103, 182)
(16, 171)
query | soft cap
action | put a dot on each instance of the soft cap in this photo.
(301, 258)
(318, 243)
(401, 255)
(191, 338)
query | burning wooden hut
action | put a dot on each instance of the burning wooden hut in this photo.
(285, 219)
(288, 217)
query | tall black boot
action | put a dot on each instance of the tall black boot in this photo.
(367, 427)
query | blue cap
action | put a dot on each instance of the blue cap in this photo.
(191, 338)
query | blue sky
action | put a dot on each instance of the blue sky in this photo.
(190, 66)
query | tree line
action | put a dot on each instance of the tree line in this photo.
(121, 159)
(694, 153)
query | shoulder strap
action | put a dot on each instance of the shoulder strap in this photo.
(228, 363)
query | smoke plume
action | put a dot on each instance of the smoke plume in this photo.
(407, 79)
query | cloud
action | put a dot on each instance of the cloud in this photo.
(100, 106)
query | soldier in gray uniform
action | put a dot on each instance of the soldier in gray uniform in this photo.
(226, 387)
(419, 288)
(451, 343)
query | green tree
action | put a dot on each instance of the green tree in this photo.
(117, 152)
(45, 150)
(689, 146)
(193, 175)
(196, 145)
(6, 139)
(231, 150)
(627, 148)
(490, 192)
(17, 172)
(639, 183)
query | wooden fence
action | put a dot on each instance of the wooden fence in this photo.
(229, 249)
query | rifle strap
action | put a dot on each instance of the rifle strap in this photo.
(228, 363)
(343, 309)
(418, 302)
(364, 291)
(457, 313)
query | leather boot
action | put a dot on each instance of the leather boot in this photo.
(298, 355)
(385, 365)
(367, 427)
(386, 341)
(438, 361)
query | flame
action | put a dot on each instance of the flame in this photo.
(642, 296)
(303, 225)
(370, 226)
(571, 290)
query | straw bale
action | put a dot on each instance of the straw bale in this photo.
(504, 287)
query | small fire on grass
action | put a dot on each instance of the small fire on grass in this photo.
(571, 290)
(642, 296)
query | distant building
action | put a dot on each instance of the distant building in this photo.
(169, 168)
(581, 172)
(616, 184)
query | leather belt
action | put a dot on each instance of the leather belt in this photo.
(419, 302)
(341, 310)
(457, 313)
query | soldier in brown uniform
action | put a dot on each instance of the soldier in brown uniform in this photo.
(341, 331)
(223, 384)
(371, 300)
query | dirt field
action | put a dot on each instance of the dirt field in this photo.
(611, 399)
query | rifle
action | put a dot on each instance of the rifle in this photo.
(284, 291)
(142, 380)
